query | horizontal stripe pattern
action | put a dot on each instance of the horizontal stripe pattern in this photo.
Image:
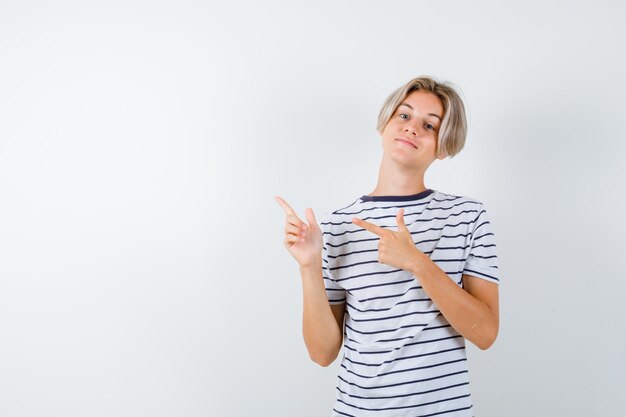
(400, 356)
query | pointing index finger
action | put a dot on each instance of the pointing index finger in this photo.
(286, 207)
(377, 230)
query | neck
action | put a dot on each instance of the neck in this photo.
(396, 179)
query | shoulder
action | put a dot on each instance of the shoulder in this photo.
(339, 217)
(448, 200)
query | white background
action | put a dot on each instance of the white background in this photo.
(142, 269)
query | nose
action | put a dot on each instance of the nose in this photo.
(412, 128)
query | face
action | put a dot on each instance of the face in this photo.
(411, 135)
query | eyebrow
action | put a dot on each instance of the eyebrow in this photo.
(430, 114)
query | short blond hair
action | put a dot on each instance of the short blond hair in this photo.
(453, 128)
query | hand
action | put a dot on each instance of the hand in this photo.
(396, 248)
(303, 241)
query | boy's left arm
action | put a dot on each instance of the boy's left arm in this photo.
(472, 311)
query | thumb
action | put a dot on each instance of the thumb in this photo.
(400, 220)
(311, 219)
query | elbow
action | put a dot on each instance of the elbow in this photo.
(323, 360)
(484, 345)
(323, 351)
(323, 357)
(487, 341)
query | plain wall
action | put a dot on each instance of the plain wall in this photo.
(142, 268)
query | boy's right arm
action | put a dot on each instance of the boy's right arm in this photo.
(322, 324)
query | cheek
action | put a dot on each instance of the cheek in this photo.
(432, 140)
(386, 138)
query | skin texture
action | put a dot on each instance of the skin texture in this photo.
(471, 310)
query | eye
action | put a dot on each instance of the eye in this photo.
(404, 116)
(429, 126)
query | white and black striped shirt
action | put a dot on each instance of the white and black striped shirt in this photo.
(401, 357)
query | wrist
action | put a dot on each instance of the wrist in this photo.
(313, 264)
(418, 264)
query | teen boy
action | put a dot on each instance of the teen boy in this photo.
(403, 275)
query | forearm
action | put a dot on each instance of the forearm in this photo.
(319, 327)
(468, 315)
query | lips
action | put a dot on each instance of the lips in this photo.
(408, 142)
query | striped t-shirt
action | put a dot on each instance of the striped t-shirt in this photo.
(401, 357)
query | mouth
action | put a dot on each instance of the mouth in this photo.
(406, 142)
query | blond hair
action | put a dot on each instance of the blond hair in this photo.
(453, 128)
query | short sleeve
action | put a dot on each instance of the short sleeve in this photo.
(335, 293)
(482, 261)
